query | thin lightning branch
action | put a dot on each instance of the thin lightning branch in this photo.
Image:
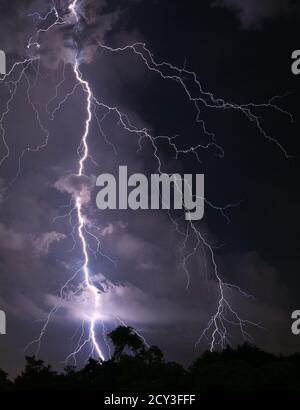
(216, 325)
(206, 98)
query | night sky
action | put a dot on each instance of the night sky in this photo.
(240, 52)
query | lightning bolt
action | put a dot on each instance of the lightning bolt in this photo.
(94, 291)
(217, 331)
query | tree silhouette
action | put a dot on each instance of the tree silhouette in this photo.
(124, 336)
(153, 355)
(135, 367)
(36, 374)
(5, 384)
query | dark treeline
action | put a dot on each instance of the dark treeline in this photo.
(135, 367)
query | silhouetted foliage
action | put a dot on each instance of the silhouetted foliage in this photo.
(134, 366)
(5, 384)
(124, 336)
(36, 374)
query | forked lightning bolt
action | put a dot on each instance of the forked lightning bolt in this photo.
(91, 288)
(217, 331)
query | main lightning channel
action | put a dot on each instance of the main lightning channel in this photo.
(78, 203)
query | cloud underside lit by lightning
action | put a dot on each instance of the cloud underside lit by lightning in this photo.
(225, 317)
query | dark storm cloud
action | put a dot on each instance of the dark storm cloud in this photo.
(20, 23)
(8, 9)
(253, 13)
(14, 26)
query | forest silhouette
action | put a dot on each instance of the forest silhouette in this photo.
(135, 367)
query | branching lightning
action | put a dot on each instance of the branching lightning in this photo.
(217, 331)
(78, 204)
